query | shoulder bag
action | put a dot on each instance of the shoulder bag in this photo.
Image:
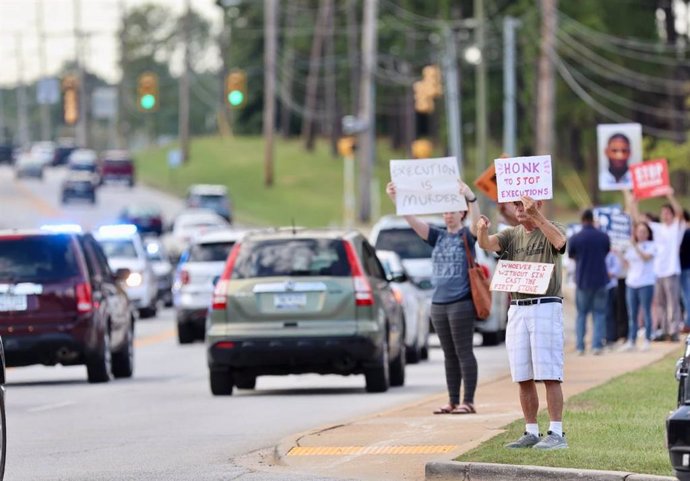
(479, 284)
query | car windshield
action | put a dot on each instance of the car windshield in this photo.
(405, 242)
(83, 167)
(37, 259)
(293, 257)
(119, 248)
(210, 252)
(206, 201)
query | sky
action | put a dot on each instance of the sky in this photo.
(18, 19)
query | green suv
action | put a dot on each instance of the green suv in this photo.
(294, 301)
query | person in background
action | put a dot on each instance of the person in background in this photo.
(614, 269)
(452, 310)
(589, 248)
(640, 280)
(685, 271)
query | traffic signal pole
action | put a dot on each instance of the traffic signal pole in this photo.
(183, 120)
(270, 53)
(80, 131)
(46, 129)
(451, 77)
(22, 114)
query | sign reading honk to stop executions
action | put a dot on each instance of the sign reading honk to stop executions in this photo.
(524, 176)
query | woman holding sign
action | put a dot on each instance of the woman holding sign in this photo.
(452, 310)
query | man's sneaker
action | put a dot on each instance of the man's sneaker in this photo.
(552, 441)
(527, 440)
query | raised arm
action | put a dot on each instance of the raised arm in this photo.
(677, 208)
(472, 206)
(419, 226)
(631, 206)
(552, 233)
(486, 241)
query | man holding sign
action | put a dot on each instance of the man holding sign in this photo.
(534, 336)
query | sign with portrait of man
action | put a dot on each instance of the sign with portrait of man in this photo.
(618, 147)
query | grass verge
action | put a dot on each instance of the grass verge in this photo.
(618, 426)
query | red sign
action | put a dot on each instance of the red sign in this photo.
(650, 178)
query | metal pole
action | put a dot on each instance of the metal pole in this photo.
(23, 126)
(349, 190)
(367, 107)
(80, 132)
(183, 120)
(270, 54)
(509, 115)
(450, 71)
(45, 107)
(480, 72)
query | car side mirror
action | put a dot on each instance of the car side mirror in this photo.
(398, 277)
(215, 280)
(122, 274)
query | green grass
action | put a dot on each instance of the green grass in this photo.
(618, 426)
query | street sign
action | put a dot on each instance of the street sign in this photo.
(48, 91)
(174, 158)
(104, 103)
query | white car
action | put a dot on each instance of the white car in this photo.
(85, 160)
(43, 152)
(393, 233)
(124, 248)
(188, 225)
(415, 303)
(199, 268)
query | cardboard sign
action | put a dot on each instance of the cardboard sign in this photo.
(525, 277)
(427, 186)
(487, 183)
(650, 179)
(614, 222)
(619, 147)
(524, 176)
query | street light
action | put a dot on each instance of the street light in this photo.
(473, 55)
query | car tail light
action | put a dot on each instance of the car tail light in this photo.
(184, 277)
(220, 298)
(84, 298)
(224, 345)
(364, 296)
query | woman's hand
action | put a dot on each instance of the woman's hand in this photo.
(466, 192)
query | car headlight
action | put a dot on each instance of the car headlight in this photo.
(134, 279)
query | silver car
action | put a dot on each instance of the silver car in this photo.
(162, 268)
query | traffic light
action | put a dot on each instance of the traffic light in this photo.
(423, 100)
(431, 75)
(147, 92)
(70, 99)
(236, 89)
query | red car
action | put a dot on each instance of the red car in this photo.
(118, 166)
(61, 304)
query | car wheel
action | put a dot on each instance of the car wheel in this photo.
(92, 199)
(378, 376)
(424, 353)
(244, 381)
(397, 368)
(185, 334)
(413, 354)
(99, 364)
(150, 311)
(123, 361)
(492, 338)
(221, 381)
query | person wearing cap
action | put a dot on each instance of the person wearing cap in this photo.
(534, 336)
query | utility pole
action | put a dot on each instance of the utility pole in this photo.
(45, 106)
(452, 96)
(480, 73)
(23, 126)
(183, 120)
(81, 122)
(121, 87)
(309, 121)
(270, 53)
(510, 24)
(367, 107)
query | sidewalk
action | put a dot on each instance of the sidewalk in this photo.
(397, 444)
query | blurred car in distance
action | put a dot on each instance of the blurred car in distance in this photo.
(64, 149)
(196, 274)
(147, 217)
(116, 166)
(43, 151)
(187, 225)
(124, 249)
(6, 153)
(28, 165)
(210, 196)
(415, 303)
(61, 304)
(294, 301)
(78, 185)
(162, 268)
(84, 160)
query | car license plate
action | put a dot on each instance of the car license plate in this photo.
(289, 301)
(12, 302)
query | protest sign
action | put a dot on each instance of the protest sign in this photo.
(524, 176)
(617, 225)
(525, 277)
(427, 186)
(487, 183)
(650, 179)
(619, 147)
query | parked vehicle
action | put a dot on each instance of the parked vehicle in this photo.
(117, 166)
(394, 233)
(78, 185)
(415, 303)
(60, 303)
(148, 218)
(124, 249)
(212, 197)
(294, 301)
(28, 165)
(678, 423)
(162, 268)
(194, 281)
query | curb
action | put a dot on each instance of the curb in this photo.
(453, 471)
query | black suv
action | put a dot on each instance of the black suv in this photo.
(61, 304)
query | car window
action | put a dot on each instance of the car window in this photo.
(37, 259)
(83, 167)
(210, 252)
(119, 248)
(371, 262)
(206, 201)
(405, 242)
(293, 257)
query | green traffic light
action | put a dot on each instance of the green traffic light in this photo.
(148, 101)
(236, 97)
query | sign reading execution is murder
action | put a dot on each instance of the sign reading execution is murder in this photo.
(427, 186)
(524, 176)
(525, 277)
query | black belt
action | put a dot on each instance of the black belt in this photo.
(536, 300)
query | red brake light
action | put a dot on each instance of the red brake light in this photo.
(184, 277)
(364, 296)
(220, 299)
(84, 298)
(224, 345)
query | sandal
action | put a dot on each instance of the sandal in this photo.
(464, 409)
(447, 409)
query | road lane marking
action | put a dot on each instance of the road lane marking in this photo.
(49, 407)
(41, 205)
(357, 450)
(155, 339)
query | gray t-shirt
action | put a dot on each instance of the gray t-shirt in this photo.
(449, 262)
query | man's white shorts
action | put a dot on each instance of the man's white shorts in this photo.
(534, 339)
